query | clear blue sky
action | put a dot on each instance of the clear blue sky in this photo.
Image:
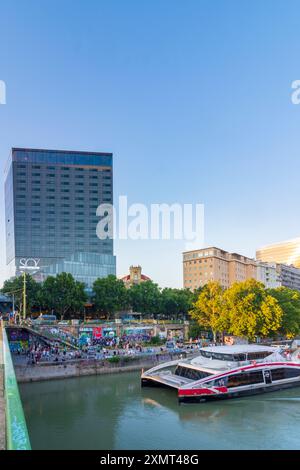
(192, 97)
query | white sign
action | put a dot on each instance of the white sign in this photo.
(29, 264)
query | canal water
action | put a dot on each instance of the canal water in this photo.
(114, 412)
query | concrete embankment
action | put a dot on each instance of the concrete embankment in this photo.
(2, 405)
(50, 371)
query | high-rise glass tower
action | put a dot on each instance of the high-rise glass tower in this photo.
(287, 252)
(51, 198)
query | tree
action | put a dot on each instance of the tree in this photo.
(289, 301)
(251, 311)
(15, 286)
(175, 302)
(195, 330)
(110, 295)
(145, 298)
(208, 309)
(63, 294)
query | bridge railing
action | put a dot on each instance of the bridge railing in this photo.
(17, 437)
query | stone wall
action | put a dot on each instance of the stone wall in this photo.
(49, 371)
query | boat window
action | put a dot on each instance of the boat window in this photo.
(206, 353)
(220, 356)
(222, 382)
(284, 373)
(191, 373)
(239, 357)
(245, 378)
(258, 355)
(223, 357)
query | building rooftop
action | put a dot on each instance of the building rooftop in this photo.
(61, 157)
(206, 248)
(143, 277)
(270, 245)
(78, 152)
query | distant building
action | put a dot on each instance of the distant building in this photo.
(51, 198)
(214, 264)
(135, 276)
(287, 252)
(289, 276)
(268, 274)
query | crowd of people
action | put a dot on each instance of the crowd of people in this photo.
(59, 345)
(39, 351)
(60, 334)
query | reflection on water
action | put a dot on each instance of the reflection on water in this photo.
(113, 412)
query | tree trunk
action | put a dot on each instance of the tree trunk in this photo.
(214, 336)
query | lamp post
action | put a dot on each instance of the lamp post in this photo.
(13, 307)
(24, 295)
(29, 266)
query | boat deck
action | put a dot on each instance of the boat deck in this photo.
(169, 380)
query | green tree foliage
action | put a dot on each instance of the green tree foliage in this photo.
(145, 298)
(208, 309)
(250, 310)
(15, 287)
(63, 294)
(289, 301)
(175, 302)
(110, 295)
(195, 294)
(195, 330)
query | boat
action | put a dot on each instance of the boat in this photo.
(221, 372)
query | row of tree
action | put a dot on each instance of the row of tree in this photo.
(111, 296)
(65, 296)
(248, 309)
(60, 294)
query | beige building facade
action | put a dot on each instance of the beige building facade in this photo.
(287, 253)
(214, 264)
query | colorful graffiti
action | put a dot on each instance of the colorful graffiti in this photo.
(17, 334)
(16, 346)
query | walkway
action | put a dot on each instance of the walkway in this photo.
(2, 407)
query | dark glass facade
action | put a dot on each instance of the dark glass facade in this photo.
(51, 198)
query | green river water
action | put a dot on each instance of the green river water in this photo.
(114, 412)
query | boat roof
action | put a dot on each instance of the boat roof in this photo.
(239, 348)
(213, 364)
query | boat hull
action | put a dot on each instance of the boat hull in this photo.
(238, 393)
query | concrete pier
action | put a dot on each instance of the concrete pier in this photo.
(2, 405)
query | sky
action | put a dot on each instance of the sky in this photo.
(192, 97)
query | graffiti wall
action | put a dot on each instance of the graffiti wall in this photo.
(18, 339)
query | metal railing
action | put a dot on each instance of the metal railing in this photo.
(17, 437)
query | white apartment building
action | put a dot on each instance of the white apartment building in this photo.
(268, 274)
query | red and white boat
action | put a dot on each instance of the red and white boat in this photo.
(227, 372)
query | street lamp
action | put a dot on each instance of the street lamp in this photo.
(27, 266)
